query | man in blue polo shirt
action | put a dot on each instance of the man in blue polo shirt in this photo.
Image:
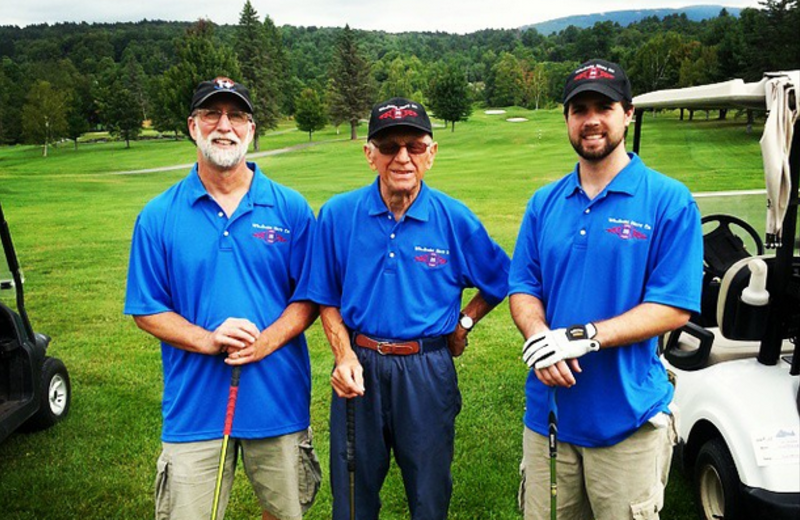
(389, 264)
(215, 274)
(607, 258)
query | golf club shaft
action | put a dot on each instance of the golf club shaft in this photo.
(226, 433)
(552, 441)
(351, 453)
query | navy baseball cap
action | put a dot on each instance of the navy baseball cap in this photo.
(600, 76)
(398, 112)
(219, 85)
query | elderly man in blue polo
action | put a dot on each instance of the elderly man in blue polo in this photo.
(389, 264)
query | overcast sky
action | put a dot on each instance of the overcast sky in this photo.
(460, 16)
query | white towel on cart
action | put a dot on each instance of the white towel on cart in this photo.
(776, 144)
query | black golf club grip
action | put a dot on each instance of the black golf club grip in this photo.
(351, 435)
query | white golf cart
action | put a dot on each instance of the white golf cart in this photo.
(736, 365)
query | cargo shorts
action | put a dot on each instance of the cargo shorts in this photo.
(625, 481)
(283, 471)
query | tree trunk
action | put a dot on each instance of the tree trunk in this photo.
(353, 127)
(44, 149)
(76, 144)
(255, 142)
(309, 137)
(452, 126)
(127, 143)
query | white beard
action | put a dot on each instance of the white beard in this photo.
(223, 158)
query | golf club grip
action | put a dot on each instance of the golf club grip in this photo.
(351, 435)
(552, 433)
(232, 395)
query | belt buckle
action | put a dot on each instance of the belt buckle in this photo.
(380, 346)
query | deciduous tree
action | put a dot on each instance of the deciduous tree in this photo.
(448, 95)
(44, 115)
(309, 112)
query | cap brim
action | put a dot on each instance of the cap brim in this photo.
(428, 131)
(600, 88)
(230, 92)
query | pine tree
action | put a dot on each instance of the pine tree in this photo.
(201, 57)
(350, 84)
(258, 74)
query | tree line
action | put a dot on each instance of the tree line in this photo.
(59, 81)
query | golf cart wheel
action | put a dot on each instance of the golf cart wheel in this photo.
(55, 395)
(717, 483)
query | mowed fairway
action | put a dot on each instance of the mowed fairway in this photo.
(71, 219)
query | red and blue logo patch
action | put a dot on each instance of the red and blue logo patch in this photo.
(430, 257)
(271, 234)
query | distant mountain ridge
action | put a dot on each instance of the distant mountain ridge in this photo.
(624, 18)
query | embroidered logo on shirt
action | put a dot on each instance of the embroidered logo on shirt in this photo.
(628, 229)
(431, 257)
(271, 234)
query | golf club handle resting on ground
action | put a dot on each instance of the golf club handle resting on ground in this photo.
(226, 432)
(351, 454)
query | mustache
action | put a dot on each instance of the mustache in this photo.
(218, 135)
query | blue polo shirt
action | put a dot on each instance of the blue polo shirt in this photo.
(640, 240)
(402, 280)
(188, 257)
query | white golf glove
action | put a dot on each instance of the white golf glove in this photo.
(548, 348)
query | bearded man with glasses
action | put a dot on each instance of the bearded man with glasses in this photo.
(389, 264)
(216, 274)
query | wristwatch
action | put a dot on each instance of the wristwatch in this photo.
(466, 322)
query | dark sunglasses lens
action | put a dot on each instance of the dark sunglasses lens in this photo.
(389, 148)
(416, 147)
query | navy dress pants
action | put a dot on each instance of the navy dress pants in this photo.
(409, 407)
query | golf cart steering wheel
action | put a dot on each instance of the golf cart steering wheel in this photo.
(723, 247)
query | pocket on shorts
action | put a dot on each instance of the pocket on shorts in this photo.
(310, 474)
(646, 510)
(521, 491)
(162, 495)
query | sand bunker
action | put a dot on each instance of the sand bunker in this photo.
(494, 112)
(516, 119)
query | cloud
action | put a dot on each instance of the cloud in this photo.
(459, 16)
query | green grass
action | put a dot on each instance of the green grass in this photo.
(72, 218)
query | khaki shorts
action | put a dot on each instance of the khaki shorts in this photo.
(624, 481)
(284, 472)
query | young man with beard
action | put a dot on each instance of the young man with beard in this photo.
(607, 258)
(390, 263)
(215, 274)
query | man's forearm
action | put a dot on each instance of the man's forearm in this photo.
(336, 332)
(528, 314)
(644, 321)
(174, 329)
(295, 319)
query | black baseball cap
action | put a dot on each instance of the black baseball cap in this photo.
(398, 112)
(601, 76)
(219, 85)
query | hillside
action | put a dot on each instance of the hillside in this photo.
(625, 18)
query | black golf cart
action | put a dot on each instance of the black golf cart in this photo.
(34, 388)
(736, 364)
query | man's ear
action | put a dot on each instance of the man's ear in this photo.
(369, 154)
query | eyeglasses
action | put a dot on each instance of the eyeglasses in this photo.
(392, 147)
(211, 116)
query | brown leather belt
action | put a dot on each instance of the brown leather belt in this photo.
(402, 348)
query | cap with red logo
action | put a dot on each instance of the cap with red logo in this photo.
(398, 112)
(220, 85)
(598, 76)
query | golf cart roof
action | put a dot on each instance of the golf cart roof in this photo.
(728, 94)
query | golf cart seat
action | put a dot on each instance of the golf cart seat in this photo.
(722, 248)
(742, 321)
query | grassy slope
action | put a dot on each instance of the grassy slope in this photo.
(72, 222)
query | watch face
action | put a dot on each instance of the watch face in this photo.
(466, 322)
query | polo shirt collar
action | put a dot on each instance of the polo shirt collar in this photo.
(626, 181)
(419, 210)
(260, 193)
